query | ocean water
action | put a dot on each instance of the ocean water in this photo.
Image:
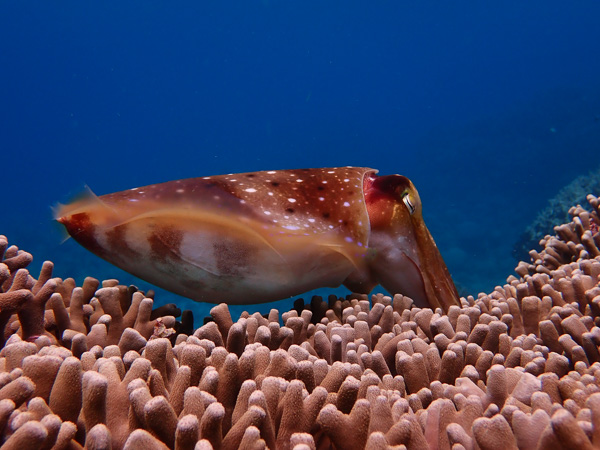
(490, 108)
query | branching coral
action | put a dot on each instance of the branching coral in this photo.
(557, 210)
(516, 368)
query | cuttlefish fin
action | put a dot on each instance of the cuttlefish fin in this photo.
(342, 250)
(187, 218)
(82, 203)
(177, 255)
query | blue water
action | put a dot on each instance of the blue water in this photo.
(488, 107)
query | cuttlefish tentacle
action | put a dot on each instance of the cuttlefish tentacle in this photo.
(263, 236)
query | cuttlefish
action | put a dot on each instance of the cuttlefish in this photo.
(263, 236)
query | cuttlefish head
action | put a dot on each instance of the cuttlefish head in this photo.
(405, 257)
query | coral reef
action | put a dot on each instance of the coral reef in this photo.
(519, 367)
(557, 211)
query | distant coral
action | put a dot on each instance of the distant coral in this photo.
(557, 211)
(516, 368)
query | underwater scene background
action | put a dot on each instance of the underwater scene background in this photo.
(492, 110)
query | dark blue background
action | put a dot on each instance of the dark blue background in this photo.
(488, 107)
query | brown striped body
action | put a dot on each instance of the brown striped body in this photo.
(249, 238)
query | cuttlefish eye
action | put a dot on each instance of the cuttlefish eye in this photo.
(406, 198)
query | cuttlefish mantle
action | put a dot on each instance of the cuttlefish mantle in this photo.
(263, 236)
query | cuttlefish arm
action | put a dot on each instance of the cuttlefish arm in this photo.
(263, 236)
(404, 257)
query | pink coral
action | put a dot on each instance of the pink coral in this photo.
(516, 368)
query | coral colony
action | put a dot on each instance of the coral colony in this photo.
(96, 366)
